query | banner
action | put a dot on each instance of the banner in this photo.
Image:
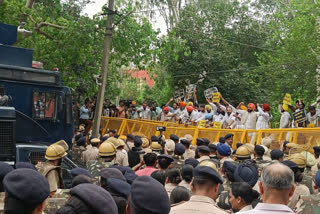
(287, 99)
(217, 125)
(190, 89)
(216, 97)
(299, 116)
(208, 92)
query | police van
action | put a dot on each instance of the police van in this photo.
(35, 107)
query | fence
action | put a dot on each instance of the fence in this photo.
(305, 136)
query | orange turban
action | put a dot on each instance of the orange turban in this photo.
(253, 107)
(182, 104)
(189, 109)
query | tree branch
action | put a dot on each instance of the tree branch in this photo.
(42, 24)
(29, 3)
(45, 34)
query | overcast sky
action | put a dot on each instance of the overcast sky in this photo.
(95, 7)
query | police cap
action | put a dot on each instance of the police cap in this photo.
(80, 171)
(27, 185)
(147, 189)
(27, 165)
(276, 154)
(179, 149)
(119, 187)
(228, 136)
(174, 137)
(203, 149)
(98, 199)
(191, 161)
(208, 173)
(107, 173)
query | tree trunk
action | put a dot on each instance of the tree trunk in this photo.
(104, 71)
(29, 3)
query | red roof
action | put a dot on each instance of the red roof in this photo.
(141, 74)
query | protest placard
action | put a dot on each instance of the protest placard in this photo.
(216, 97)
(299, 116)
(208, 92)
(217, 125)
(287, 99)
(202, 124)
(178, 95)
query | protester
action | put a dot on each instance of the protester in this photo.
(242, 196)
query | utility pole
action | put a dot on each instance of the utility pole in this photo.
(104, 70)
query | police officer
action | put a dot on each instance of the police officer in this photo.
(224, 153)
(307, 204)
(115, 183)
(205, 189)
(51, 169)
(301, 162)
(26, 191)
(146, 188)
(89, 199)
(107, 154)
(179, 150)
(242, 154)
(93, 152)
(189, 153)
(203, 152)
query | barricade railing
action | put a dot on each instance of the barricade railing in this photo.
(310, 136)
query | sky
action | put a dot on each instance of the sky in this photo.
(95, 7)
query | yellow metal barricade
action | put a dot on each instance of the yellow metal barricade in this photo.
(305, 136)
(111, 123)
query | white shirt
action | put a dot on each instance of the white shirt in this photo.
(166, 117)
(201, 116)
(262, 208)
(313, 119)
(84, 113)
(285, 118)
(263, 119)
(248, 124)
(145, 113)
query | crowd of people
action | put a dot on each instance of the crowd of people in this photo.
(218, 115)
(133, 174)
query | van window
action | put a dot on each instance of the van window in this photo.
(44, 105)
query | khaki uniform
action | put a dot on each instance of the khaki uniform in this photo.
(301, 190)
(197, 205)
(121, 158)
(147, 150)
(308, 181)
(315, 169)
(185, 184)
(225, 159)
(189, 154)
(95, 166)
(261, 163)
(203, 158)
(90, 154)
(2, 197)
(169, 187)
(78, 150)
(308, 204)
(178, 162)
(52, 173)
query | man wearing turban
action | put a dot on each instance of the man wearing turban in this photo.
(264, 116)
(285, 115)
